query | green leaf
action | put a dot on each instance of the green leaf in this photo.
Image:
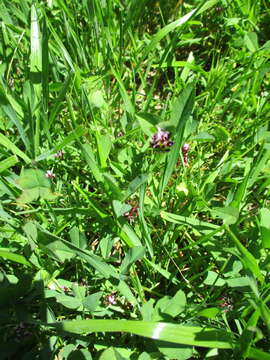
(135, 184)
(204, 136)
(251, 41)
(77, 238)
(81, 354)
(34, 185)
(36, 53)
(74, 135)
(129, 236)
(11, 108)
(96, 98)
(213, 279)
(179, 334)
(111, 354)
(258, 354)
(174, 351)
(209, 313)
(127, 102)
(265, 227)
(207, 5)
(112, 187)
(229, 214)
(32, 178)
(91, 301)
(133, 254)
(124, 289)
(69, 302)
(240, 193)
(120, 208)
(176, 305)
(147, 122)
(240, 281)
(104, 145)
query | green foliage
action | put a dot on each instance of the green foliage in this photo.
(116, 241)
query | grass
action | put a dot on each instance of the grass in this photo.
(112, 248)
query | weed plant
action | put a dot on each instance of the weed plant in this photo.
(134, 179)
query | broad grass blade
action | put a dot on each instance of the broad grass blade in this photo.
(188, 335)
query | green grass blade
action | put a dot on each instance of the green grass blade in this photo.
(6, 254)
(188, 335)
(36, 70)
(165, 31)
(93, 260)
(13, 148)
(91, 162)
(258, 354)
(8, 105)
(181, 112)
(127, 102)
(8, 162)
(199, 225)
(248, 260)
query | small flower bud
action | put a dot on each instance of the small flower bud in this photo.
(49, 174)
(185, 148)
(59, 154)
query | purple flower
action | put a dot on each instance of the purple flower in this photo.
(49, 174)
(161, 139)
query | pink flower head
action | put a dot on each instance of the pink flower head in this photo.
(110, 299)
(132, 214)
(49, 174)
